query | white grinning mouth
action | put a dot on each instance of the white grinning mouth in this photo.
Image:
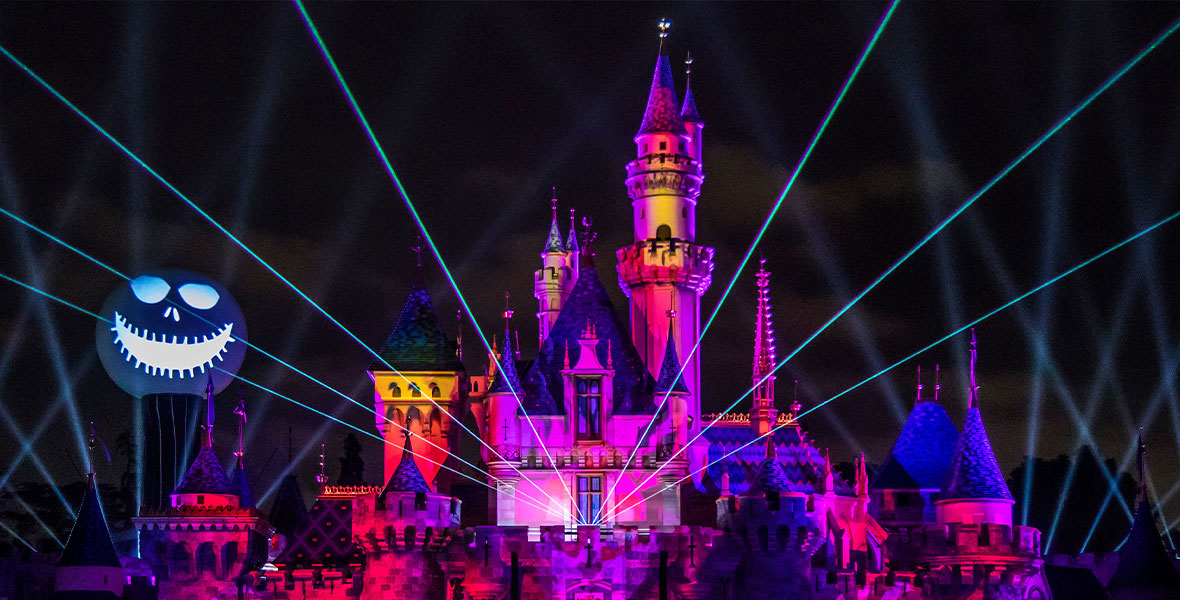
(176, 358)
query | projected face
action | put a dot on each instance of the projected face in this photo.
(171, 330)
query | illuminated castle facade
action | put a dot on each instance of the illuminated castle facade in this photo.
(576, 506)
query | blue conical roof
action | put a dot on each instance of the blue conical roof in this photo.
(205, 476)
(670, 379)
(662, 115)
(241, 485)
(688, 112)
(506, 381)
(974, 473)
(571, 239)
(923, 449)
(89, 544)
(553, 244)
(407, 477)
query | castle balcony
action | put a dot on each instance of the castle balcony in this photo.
(973, 544)
(673, 261)
(674, 174)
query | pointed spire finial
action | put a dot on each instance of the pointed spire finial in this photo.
(553, 203)
(1141, 460)
(209, 412)
(322, 478)
(795, 406)
(91, 444)
(937, 385)
(862, 478)
(973, 398)
(240, 410)
(687, 67)
(664, 25)
(459, 335)
(417, 250)
(920, 386)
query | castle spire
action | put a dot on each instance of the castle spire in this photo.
(688, 111)
(973, 392)
(662, 115)
(1141, 462)
(237, 479)
(862, 478)
(571, 240)
(670, 379)
(919, 400)
(764, 348)
(553, 243)
(406, 477)
(937, 385)
(506, 380)
(209, 412)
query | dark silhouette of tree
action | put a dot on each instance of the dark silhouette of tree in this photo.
(1084, 500)
(352, 466)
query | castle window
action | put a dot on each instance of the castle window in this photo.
(419, 501)
(663, 145)
(415, 392)
(682, 147)
(434, 391)
(663, 232)
(645, 148)
(200, 499)
(684, 212)
(772, 501)
(589, 401)
(395, 391)
(589, 497)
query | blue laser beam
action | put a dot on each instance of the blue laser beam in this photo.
(945, 222)
(323, 48)
(950, 335)
(823, 126)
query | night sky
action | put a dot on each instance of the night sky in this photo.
(482, 108)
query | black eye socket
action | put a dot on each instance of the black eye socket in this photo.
(149, 289)
(199, 295)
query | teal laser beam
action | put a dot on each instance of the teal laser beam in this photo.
(238, 242)
(1040, 141)
(958, 331)
(372, 137)
(823, 126)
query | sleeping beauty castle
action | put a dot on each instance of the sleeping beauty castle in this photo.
(586, 470)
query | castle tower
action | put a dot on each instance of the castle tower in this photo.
(663, 183)
(556, 277)
(763, 415)
(973, 549)
(503, 429)
(89, 567)
(426, 378)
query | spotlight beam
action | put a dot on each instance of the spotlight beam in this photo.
(263, 388)
(17, 536)
(33, 513)
(823, 126)
(1040, 141)
(121, 275)
(266, 265)
(946, 337)
(434, 250)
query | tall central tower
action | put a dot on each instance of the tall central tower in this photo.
(664, 269)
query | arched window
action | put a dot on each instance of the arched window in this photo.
(206, 560)
(434, 391)
(415, 391)
(663, 232)
(395, 391)
(229, 557)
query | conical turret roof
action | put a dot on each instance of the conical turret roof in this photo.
(205, 476)
(670, 379)
(923, 450)
(418, 342)
(553, 243)
(688, 112)
(1143, 559)
(974, 473)
(506, 381)
(662, 114)
(288, 510)
(241, 485)
(407, 477)
(89, 544)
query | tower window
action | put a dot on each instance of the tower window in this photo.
(684, 212)
(589, 400)
(415, 392)
(663, 232)
(663, 145)
(682, 147)
(395, 391)
(419, 501)
(645, 148)
(589, 497)
(434, 391)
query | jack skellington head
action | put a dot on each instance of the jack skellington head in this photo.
(170, 331)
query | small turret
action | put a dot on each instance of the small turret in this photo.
(555, 279)
(1145, 571)
(89, 567)
(689, 114)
